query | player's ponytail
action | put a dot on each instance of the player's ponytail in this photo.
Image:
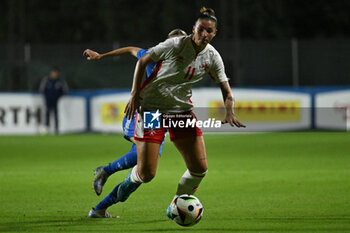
(207, 13)
(204, 10)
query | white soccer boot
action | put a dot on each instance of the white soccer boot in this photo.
(100, 214)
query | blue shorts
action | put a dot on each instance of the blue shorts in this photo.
(129, 130)
(128, 127)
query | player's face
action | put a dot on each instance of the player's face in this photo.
(203, 32)
(53, 74)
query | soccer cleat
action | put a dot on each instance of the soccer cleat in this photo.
(100, 214)
(99, 180)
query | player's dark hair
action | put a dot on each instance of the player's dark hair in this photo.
(177, 32)
(55, 68)
(208, 14)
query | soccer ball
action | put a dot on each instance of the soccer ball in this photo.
(186, 210)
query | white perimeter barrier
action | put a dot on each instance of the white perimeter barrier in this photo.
(25, 114)
(259, 109)
(107, 112)
(332, 110)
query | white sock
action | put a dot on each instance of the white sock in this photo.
(189, 183)
(135, 178)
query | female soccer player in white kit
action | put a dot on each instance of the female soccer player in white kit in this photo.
(181, 62)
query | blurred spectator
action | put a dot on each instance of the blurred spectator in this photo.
(53, 87)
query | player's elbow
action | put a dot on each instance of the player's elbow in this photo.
(144, 61)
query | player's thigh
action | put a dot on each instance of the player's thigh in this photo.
(147, 159)
(193, 151)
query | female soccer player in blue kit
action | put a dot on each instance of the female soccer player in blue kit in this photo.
(129, 160)
(181, 62)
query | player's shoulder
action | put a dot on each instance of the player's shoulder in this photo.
(211, 49)
(179, 40)
(213, 53)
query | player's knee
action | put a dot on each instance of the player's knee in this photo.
(147, 175)
(199, 169)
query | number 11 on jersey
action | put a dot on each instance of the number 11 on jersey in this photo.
(189, 71)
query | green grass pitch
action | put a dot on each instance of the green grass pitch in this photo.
(273, 182)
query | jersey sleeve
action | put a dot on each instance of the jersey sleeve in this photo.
(141, 52)
(217, 69)
(163, 50)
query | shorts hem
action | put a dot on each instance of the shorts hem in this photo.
(149, 140)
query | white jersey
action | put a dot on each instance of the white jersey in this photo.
(179, 68)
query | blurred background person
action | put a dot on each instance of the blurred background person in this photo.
(53, 87)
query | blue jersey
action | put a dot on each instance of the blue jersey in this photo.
(149, 68)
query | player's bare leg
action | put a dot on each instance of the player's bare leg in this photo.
(143, 172)
(193, 151)
(147, 160)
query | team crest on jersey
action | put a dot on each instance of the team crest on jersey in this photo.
(205, 67)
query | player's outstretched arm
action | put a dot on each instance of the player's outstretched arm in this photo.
(229, 105)
(140, 70)
(92, 55)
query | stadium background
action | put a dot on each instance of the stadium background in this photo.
(264, 182)
(263, 43)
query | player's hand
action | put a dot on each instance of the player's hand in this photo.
(91, 55)
(132, 107)
(231, 119)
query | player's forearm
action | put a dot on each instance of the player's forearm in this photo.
(229, 104)
(139, 73)
(228, 99)
(120, 52)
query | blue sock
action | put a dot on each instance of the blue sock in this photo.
(109, 200)
(129, 160)
(120, 193)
